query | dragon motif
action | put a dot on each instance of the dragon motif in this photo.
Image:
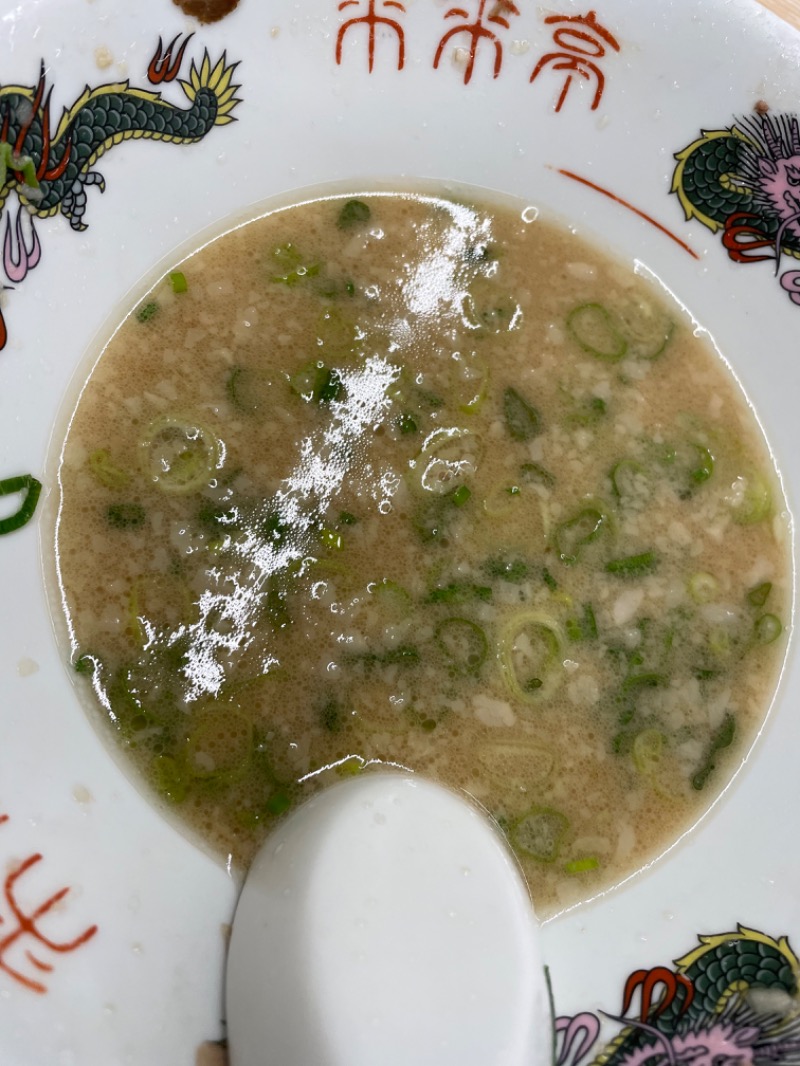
(734, 1000)
(50, 172)
(744, 181)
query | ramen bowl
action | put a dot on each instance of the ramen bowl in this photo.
(666, 136)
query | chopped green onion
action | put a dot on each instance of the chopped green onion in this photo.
(703, 587)
(512, 570)
(540, 833)
(350, 767)
(647, 680)
(754, 502)
(581, 866)
(406, 424)
(332, 539)
(463, 645)
(573, 630)
(307, 381)
(705, 673)
(404, 655)
(480, 253)
(278, 803)
(427, 398)
(523, 422)
(317, 382)
(460, 495)
(723, 738)
(648, 747)
(448, 458)
(353, 213)
(633, 565)
(394, 602)
(178, 281)
(621, 743)
(180, 456)
(705, 466)
(759, 595)
(593, 328)
(169, 778)
(626, 478)
(580, 629)
(719, 641)
(767, 629)
(32, 488)
(347, 519)
(106, 472)
(574, 534)
(86, 664)
(332, 288)
(126, 516)
(549, 580)
(588, 413)
(144, 314)
(530, 655)
(460, 592)
(537, 475)
(470, 384)
(247, 389)
(288, 259)
(647, 329)
(331, 387)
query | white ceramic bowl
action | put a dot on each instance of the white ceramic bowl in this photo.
(127, 967)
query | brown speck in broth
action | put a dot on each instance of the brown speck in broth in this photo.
(207, 10)
(761, 107)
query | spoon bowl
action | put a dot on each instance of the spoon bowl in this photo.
(386, 921)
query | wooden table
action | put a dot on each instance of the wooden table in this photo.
(787, 9)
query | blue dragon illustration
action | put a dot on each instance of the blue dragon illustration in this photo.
(734, 1000)
(50, 172)
(744, 182)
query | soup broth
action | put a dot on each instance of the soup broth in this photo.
(409, 480)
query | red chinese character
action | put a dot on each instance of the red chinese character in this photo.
(372, 19)
(25, 929)
(582, 40)
(476, 31)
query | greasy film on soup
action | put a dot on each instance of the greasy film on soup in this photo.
(413, 480)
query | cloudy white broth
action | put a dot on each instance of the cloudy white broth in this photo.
(411, 480)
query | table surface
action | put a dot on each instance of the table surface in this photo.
(787, 9)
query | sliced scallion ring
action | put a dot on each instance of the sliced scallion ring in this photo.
(463, 645)
(597, 332)
(180, 455)
(530, 656)
(31, 488)
(540, 833)
(448, 459)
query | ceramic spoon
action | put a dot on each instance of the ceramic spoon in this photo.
(386, 924)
